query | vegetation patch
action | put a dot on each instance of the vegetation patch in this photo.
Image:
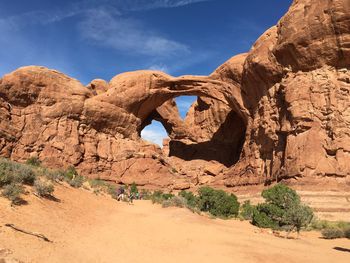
(282, 210)
(13, 192)
(332, 233)
(43, 188)
(217, 202)
(247, 210)
(175, 201)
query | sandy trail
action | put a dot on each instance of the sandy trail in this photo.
(89, 228)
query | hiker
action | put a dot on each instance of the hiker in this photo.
(120, 193)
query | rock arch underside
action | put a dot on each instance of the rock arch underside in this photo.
(279, 112)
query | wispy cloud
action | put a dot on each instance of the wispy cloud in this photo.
(137, 5)
(109, 29)
(160, 67)
(105, 25)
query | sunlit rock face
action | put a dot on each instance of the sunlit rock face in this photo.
(279, 112)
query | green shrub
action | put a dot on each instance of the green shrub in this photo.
(217, 202)
(34, 161)
(263, 220)
(71, 172)
(281, 196)
(13, 192)
(332, 233)
(12, 172)
(133, 188)
(6, 172)
(24, 174)
(247, 210)
(97, 183)
(158, 197)
(146, 194)
(319, 224)
(56, 175)
(191, 199)
(347, 233)
(112, 191)
(167, 196)
(43, 188)
(282, 209)
(176, 201)
(77, 181)
(298, 216)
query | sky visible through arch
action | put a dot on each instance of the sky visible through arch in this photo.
(88, 39)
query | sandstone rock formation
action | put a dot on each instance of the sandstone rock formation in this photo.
(279, 112)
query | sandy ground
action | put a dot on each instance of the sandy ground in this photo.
(89, 228)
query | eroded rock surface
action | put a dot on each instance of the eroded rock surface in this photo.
(279, 112)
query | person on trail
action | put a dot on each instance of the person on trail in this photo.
(120, 194)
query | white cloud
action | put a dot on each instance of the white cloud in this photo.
(109, 29)
(138, 5)
(154, 135)
(160, 67)
(102, 22)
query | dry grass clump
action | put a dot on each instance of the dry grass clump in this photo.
(43, 188)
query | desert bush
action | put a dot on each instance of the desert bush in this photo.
(319, 224)
(332, 233)
(282, 209)
(70, 173)
(6, 172)
(56, 175)
(217, 202)
(347, 233)
(158, 197)
(146, 194)
(167, 196)
(43, 188)
(247, 210)
(323, 224)
(281, 196)
(13, 192)
(34, 161)
(12, 172)
(191, 199)
(24, 174)
(97, 183)
(77, 181)
(176, 201)
(262, 219)
(297, 216)
(112, 191)
(133, 188)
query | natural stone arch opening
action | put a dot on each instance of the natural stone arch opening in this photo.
(184, 104)
(154, 133)
(224, 144)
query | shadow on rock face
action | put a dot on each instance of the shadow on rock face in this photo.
(224, 147)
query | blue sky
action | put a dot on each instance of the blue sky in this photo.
(89, 39)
